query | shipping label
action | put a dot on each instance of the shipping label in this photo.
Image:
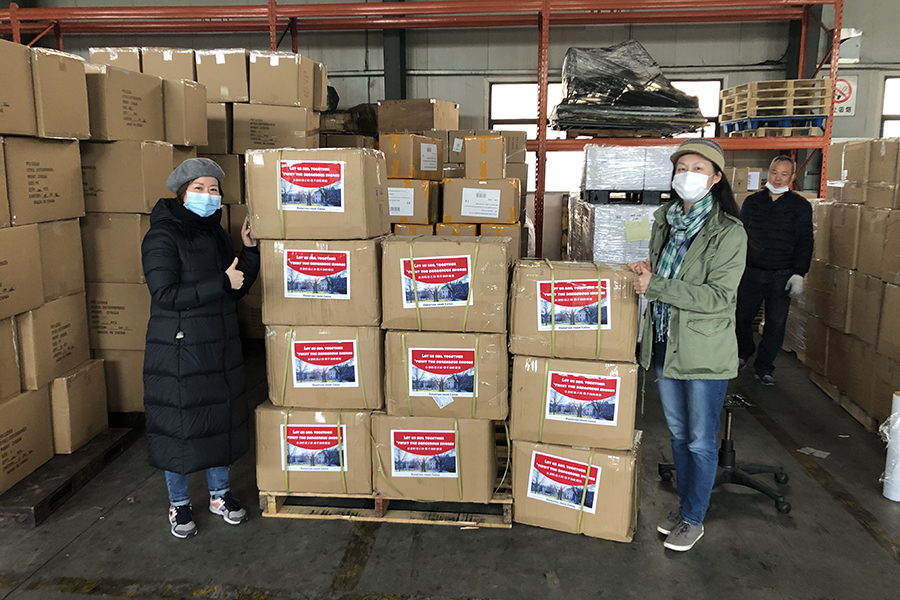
(458, 144)
(317, 274)
(574, 303)
(423, 453)
(442, 374)
(313, 448)
(561, 481)
(312, 185)
(477, 202)
(322, 364)
(580, 398)
(401, 201)
(436, 281)
(428, 157)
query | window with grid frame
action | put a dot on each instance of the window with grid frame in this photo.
(890, 111)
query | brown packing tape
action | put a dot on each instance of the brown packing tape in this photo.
(482, 169)
(395, 168)
(483, 145)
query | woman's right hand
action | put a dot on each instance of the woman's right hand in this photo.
(234, 276)
(640, 267)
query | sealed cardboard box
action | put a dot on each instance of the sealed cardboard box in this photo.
(224, 73)
(282, 79)
(249, 315)
(219, 122)
(573, 310)
(21, 281)
(817, 333)
(844, 239)
(829, 294)
(124, 379)
(184, 110)
(181, 154)
(413, 201)
(258, 127)
(515, 147)
(52, 340)
(26, 435)
(124, 105)
(62, 266)
(456, 145)
(475, 201)
(105, 165)
(855, 172)
(60, 94)
(485, 158)
(573, 403)
(320, 87)
(459, 375)
(889, 332)
(325, 367)
(340, 140)
(445, 284)
(169, 63)
(887, 381)
(865, 306)
(438, 459)
(834, 170)
(10, 380)
(403, 229)
(851, 366)
(822, 229)
(397, 116)
(233, 185)
(884, 174)
(744, 179)
(412, 156)
(513, 232)
(321, 283)
(872, 230)
(128, 58)
(112, 246)
(317, 194)
(17, 97)
(78, 404)
(890, 261)
(577, 490)
(119, 313)
(518, 171)
(326, 452)
(43, 180)
(456, 230)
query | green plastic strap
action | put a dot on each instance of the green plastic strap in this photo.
(287, 364)
(587, 480)
(341, 453)
(552, 308)
(471, 283)
(412, 270)
(599, 309)
(359, 372)
(406, 370)
(546, 396)
(508, 458)
(287, 415)
(458, 460)
(280, 194)
(475, 382)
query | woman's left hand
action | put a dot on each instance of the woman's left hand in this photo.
(245, 234)
(642, 282)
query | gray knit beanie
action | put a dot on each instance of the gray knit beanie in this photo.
(191, 169)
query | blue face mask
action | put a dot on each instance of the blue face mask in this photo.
(202, 204)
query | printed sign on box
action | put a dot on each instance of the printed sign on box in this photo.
(312, 185)
(325, 364)
(561, 481)
(313, 448)
(443, 374)
(423, 453)
(582, 398)
(436, 281)
(574, 305)
(317, 274)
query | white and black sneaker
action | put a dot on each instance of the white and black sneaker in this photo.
(181, 518)
(228, 508)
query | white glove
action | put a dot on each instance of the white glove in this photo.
(794, 286)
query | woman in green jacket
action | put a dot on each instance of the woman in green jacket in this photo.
(697, 252)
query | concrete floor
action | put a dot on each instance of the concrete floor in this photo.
(840, 541)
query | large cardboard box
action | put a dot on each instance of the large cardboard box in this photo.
(53, 339)
(844, 239)
(884, 174)
(398, 116)
(124, 105)
(17, 97)
(485, 158)
(459, 375)
(169, 63)
(412, 156)
(112, 246)
(184, 110)
(851, 366)
(884, 386)
(457, 230)
(128, 58)
(219, 122)
(865, 306)
(455, 145)
(834, 171)
(475, 201)
(320, 87)
(822, 229)
(817, 333)
(181, 154)
(78, 404)
(413, 201)
(890, 260)
(573, 402)
(321, 283)
(745, 179)
(60, 94)
(145, 165)
(317, 194)
(10, 380)
(62, 266)
(889, 331)
(282, 79)
(445, 284)
(124, 379)
(25, 436)
(304, 451)
(256, 126)
(325, 367)
(515, 147)
(518, 171)
(429, 458)
(555, 312)
(829, 294)
(855, 171)
(119, 313)
(225, 73)
(21, 280)
(513, 232)
(415, 230)
(549, 489)
(233, 185)
(43, 180)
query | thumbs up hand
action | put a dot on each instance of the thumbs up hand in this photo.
(234, 276)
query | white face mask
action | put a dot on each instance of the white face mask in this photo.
(776, 190)
(691, 187)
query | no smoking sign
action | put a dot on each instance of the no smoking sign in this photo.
(845, 95)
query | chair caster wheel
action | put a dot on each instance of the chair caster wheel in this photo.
(781, 478)
(783, 507)
(665, 474)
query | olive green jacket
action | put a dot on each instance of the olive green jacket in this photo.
(703, 297)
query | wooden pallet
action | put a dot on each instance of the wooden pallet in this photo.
(778, 132)
(792, 85)
(832, 391)
(612, 133)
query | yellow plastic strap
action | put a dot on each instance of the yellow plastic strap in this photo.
(587, 480)
(287, 364)
(599, 308)
(458, 460)
(552, 308)
(412, 271)
(280, 194)
(406, 370)
(471, 283)
(287, 415)
(359, 372)
(475, 382)
(546, 395)
(341, 453)
(508, 458)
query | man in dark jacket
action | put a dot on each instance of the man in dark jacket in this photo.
(779, 251)
(193, 366)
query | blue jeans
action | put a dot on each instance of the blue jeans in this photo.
(216, 479)
(693, 410)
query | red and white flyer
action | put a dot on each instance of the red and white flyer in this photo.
(320, 364)
(423, 453)
(313, 448)
(437, 281)
(317, 274)
(580, 398)
(561, 481)
(574, 304)
(312, 185)
(442, 374)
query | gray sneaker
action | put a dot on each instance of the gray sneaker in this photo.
(683, 537)
(670, 522)
(181, 518)
(766, 380)
(228, 508)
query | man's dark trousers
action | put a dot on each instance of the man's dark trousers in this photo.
(758, 286)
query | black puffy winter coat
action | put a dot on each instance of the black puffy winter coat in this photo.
(193, 366)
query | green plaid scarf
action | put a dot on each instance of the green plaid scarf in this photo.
(682, 229)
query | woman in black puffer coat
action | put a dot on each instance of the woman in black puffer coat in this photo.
(193, 368)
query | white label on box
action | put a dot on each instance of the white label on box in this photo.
(273, 60)
(400, 201)
(458, 144)
(561, 481)
(428, 157)
(423, 453)
(443, 400)
(581, 398)
(167, 55)
(753, 180)
(325, 364)
(220, 58)
(445, 372)
(312, 185)
(477, 202)
(317, 274)
(572, 305)
(438, 281)
(314, 448)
